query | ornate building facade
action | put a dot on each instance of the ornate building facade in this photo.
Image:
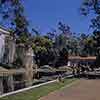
(13, 78)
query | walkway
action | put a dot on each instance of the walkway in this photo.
(82, 90)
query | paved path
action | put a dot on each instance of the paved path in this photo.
(82, 90)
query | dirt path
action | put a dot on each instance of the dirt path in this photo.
(82, 90)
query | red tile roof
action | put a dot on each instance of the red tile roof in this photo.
(82, 58)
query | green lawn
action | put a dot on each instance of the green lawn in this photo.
(36, 93)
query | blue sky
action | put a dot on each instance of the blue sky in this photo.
(45, 14)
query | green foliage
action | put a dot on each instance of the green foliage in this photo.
(96, 38)
(23, 37)
(41, 43)
(41, 46)
(65, 29)
(40, 49)
(92, 6)
(12, 13)
(87, 45)
(49, 47)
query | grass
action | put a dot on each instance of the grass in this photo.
(36, 93)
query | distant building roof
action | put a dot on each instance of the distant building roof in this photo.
(82, 58)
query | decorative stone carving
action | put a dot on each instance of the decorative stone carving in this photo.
(2, 46)
(10, 83)
(28, 62)
(10, 48)
(1, 86)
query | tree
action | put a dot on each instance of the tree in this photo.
(61, 43)
(87, 45)
(51, 35)
(68, 39)
(73, 45)
(92, 6)
(90, 46)
(12, 15)
(65, 29)
(96, 38)
(42, 48)
(51, 48)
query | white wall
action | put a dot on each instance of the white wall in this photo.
(2, 45)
